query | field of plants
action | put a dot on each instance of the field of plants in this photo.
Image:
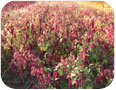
(56, 45)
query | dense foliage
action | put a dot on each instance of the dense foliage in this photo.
(57, 45)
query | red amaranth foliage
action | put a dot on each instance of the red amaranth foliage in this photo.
(57, 46)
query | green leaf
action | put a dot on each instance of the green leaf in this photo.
(88, 83)
(90, 86)
(80, 67)
(46, 55)
(86, 70)
(59, 53)
(74, 81)
(45, 69)
(24, 66)
(44, 48)
(94, 55)
(56, 78)
(60, 72)
(79, 63)
(67, 50)
(43, 45)
(64, 45)
(105, 61)
(78, 46)
(48, 44)
(98, 69)
(49, 69)
(69, 43)
(61, 39)
(49, 52)
(88, 80)
(80, 87)
(63, 51)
